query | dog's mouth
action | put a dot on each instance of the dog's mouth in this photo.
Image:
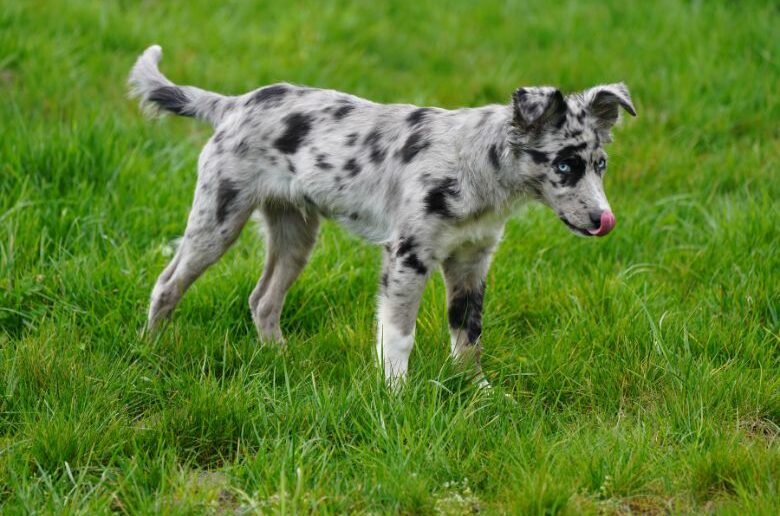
(575, 229)
(606, 225)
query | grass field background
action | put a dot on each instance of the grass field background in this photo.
(642, 369)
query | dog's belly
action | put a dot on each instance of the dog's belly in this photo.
(373, 231)
(358, 216)
(364, 206)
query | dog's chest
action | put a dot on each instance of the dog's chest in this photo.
(484, 231)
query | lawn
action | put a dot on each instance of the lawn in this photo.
(635, 373)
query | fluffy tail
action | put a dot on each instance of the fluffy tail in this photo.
(158, 94)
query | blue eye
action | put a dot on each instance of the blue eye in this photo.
(602, 164)
(564, 167)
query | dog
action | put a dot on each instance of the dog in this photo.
(434, 187)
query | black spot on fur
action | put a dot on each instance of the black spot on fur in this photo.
(291, 166)
(384, 279)
(353, 167)
(560, 120)
(352, 139)
(298, 126)
(406, 245)
(219, 136)
(413, 262)
(270, 95)
(378, 155)
(173, 99)
(414, 144)
(342, 111)
(417, 116)
(539, 157)
(465, 312)
(436, 198)
(322, 162)
(241, 148)
(376, 152)
(372, 137)
(354, 216)
(493, 157)
(569, 151)
(577, 167)
(226, 194)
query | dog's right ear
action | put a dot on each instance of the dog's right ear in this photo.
(538, 108)
(603, 102)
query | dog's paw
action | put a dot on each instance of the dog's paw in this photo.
(272, 338)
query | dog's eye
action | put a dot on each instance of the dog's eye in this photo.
(563, 167)
(601, 165)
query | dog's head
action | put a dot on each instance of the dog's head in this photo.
(558, 142)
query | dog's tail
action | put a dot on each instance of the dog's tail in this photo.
(158, 94)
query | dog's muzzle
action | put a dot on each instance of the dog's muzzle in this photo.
(606, 222)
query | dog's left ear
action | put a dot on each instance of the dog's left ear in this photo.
(603, 101)
(537, 108)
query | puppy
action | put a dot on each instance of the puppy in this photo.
(433, 186)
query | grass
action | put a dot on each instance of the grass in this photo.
(642, 368)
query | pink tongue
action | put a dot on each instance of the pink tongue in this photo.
(607, 223)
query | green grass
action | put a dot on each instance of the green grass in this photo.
(643, 368)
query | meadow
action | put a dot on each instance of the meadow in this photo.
(638, 373)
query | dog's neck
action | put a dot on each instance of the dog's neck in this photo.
(494, 172)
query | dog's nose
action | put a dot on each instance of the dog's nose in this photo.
(604, 222)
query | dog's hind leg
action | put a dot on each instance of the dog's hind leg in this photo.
(464, 275)
(290, 236)
(218, 213)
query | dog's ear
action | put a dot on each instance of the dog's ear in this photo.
(603, 101)
(538, 108)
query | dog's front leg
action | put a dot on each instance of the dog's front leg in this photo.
(405, 269)
(464, 275)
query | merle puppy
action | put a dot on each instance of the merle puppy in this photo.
(433, 186)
